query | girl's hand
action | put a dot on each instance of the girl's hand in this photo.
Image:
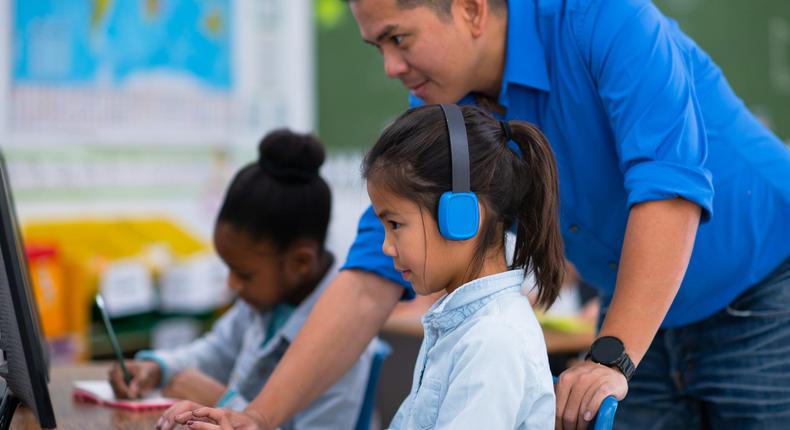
(580, 391)
(219, 419)
(145, 377)
(194, 385)
(168, 419)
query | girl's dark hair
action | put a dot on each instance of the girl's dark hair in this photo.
(281, 197)
(412, 159)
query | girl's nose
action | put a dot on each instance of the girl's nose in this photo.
(388, 248)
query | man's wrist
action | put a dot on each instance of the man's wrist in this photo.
(610, 351)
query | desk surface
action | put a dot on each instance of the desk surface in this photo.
(75, 415)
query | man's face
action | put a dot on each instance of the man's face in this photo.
(432, 55)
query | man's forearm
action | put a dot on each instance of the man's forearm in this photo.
(657, 247)
(344, 320)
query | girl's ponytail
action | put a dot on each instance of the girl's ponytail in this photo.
(535, 210)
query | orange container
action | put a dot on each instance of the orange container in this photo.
(48, 287)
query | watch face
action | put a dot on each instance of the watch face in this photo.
(607, 349)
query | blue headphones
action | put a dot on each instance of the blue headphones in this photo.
(459, 214)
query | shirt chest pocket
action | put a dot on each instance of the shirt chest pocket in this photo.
(426, 403)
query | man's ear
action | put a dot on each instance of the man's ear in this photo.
(474, 13)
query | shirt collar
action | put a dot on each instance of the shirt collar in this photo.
(291, 328)
(525, 60)
(454, 308)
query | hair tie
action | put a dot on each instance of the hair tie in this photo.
(506, 129)
(287, 174)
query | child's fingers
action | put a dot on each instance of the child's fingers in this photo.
(168, 419)
(202, 425)
(219, 416)
(119, 386)
(213, 413)
(134, 390)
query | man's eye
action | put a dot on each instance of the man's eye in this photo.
(397, 40)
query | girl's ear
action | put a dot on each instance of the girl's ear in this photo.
(300, 259)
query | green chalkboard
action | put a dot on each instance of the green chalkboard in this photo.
(750, 40)
(355, 98)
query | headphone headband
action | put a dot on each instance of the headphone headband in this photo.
(459, 147)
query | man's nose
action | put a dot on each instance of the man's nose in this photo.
(394, 64)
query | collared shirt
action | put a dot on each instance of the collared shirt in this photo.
(237, 353)
(635, 111)
(482, 363)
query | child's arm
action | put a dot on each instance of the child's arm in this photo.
(192, 384)
(497, 382)
(213, 354)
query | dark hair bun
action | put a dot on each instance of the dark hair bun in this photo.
(291, 157)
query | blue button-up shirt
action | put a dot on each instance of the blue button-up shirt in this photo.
(482, 363)
(635, 111)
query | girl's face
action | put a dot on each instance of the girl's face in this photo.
(256, 268)
(419, 252)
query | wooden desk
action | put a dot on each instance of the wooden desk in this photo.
(73, 415)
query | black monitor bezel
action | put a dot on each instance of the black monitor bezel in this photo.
(23, 302)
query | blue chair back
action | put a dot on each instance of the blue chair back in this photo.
(382, 351)
(604, 419)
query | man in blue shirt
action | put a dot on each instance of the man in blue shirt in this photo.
(644, 128)
(675, 202)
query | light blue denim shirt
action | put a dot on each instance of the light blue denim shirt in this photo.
(483, 362)
(236, 352)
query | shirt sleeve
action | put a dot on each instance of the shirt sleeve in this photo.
(646, 84)
(366, 254)
(496, 384)
(213, 354)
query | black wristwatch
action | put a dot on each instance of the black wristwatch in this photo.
(610, 351)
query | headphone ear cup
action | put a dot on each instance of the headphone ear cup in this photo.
(459, 215)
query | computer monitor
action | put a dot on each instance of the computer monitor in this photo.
(26, 370)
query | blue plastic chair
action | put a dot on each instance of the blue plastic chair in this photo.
(604, 419)
(383, 350)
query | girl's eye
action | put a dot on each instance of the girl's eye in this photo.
(243, 276)
(394, 225)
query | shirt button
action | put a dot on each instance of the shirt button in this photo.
(612, 265)
(573, 228)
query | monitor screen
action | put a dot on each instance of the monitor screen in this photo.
(27, 368)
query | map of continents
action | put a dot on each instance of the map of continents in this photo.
(122, 42)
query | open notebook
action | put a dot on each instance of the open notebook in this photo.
(100, 391)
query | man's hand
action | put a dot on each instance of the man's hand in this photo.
(580, 391)
(145, 377)
(194, 385)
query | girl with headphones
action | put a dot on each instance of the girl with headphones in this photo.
(446, 185)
